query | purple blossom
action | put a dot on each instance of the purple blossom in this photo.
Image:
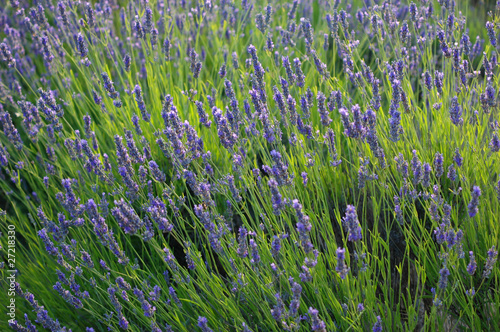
(157, 174)
(203, 324)
(456, 112)
(377, 327)
(316, 323)
(279, 309)
(341, 268)
(322, 110)
(303, 226)
(490, 261)
(471, 267)
(295, 303)
(351, 222)
(474, 202)
(140, 103)
(490, 27)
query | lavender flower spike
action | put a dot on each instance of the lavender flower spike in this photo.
(474, 202)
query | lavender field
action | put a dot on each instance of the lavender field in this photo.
(244, 165)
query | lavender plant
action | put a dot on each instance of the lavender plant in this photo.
(155, 184)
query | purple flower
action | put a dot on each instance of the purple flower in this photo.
(322, 110)
(49, 245)
(474, 202)
(458, 158)
(254, 251)
(146, 307)
(444, 273)
(490, 27)
(123, 323)
(276, 244)
(202, 114)
(456, 112)
(427, 80)
(426, 179)
(416, 166)
(351, 222)
(203, 324)
(10, 130)
(497, 187)
(7, 55)
(320, 66)
(471, 267)
(279, 308)
(154, 296)
(495, 143)
(70, 202)
(316, 323)
(133, 188)
(126, 217)
(288, 69)
(276, 198)
(295, 303)
(140, 103)
(438, 81)
(158, 175)
(329, 140)
(452, 172)
(166, 48)
(488, 266)
(404, 33)
(108, 85)
(303, 226)
(341, 268)
(174, 296)
(280, 103)
(304, 178)
(299, 75)
(377, 327)
(442, 41)
(438, 164)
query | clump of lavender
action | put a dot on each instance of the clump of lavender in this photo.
(322, 110)
(472, 266)
(444, 273)
(277, 201)
(10, 130)
(299, 74)
(395, 116)
(438, 164)
(320, 66)
(495, 143)
(490, 261)
(316, 323)
(7, 55)
(288, 69)
(456, 112)
(303, 227)
(295, 303)
(474, 202)
(490, 27)
(195, 63)
(140, 103)
(416, 166)
(109, 87)
(341, 268)
(203, 324)
(351, 222)
(452, 172)
(329, 140)
(377, 327)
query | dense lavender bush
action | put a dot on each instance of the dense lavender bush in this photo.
(249, 166)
